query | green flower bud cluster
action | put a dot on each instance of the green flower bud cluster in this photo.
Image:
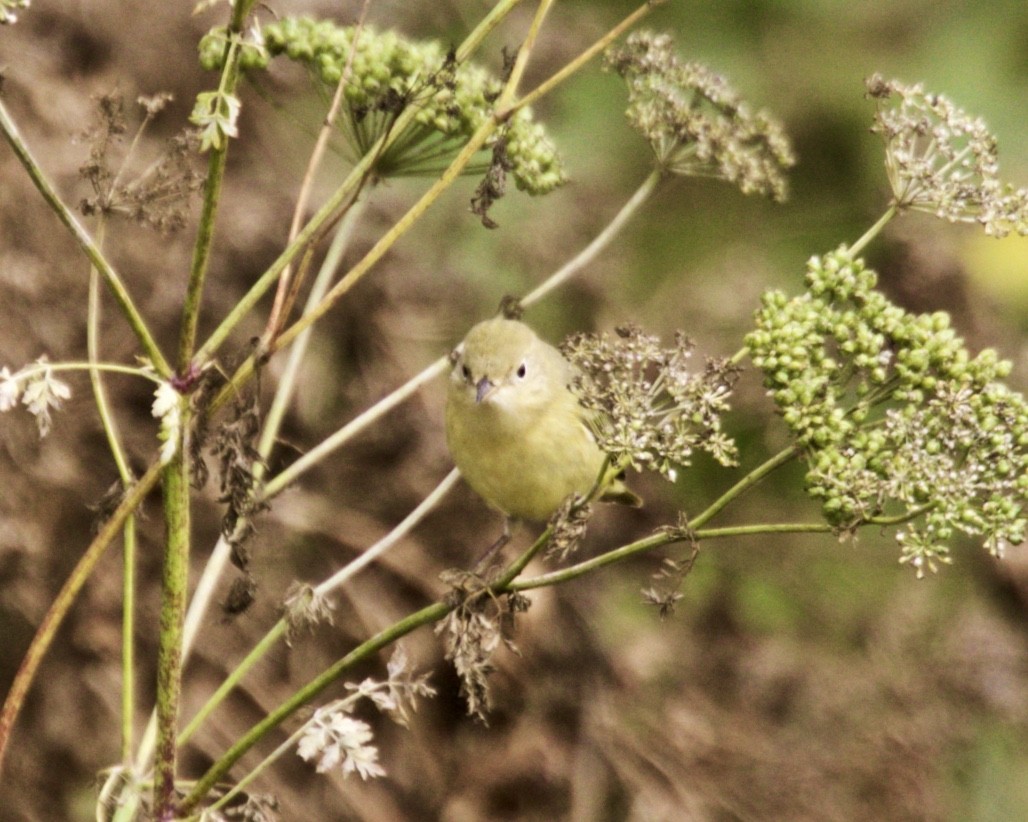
(695, 122)
(896, 417)
(389, 73)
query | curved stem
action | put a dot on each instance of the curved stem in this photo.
(599, 242)
(128, 685)
(279, 629)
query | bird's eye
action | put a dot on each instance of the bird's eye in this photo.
(522, 370)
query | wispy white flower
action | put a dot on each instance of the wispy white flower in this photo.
(42, 391)
(167, 407)
(335, 739)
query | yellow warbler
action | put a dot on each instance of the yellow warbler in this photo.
(516, 431)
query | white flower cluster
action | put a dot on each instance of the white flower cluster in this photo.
(37, 389)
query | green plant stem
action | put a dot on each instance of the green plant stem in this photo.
(873, 231)
(222, 550)
(286, 290)
(85, 242)
(211, 196)
(747, 482)
(242, 308)
(63, 602)
(174, 582)
(674, 535)
(484, 29)
(510, 88)
(655, 541)
(202, 250)
(266, 643)
(580, 60)
(128, 686)
(425, 616)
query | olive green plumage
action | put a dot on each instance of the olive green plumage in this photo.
(516, 431)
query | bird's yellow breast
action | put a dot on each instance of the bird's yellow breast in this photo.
(524, 464)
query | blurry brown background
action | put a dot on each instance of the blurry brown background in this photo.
(800, 679)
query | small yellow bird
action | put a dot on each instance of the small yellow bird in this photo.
(515, 430)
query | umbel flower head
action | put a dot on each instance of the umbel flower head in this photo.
(650, 410)
(38, 390)
(390, 73)
(897, 419)
(696, 123)
(941, 160)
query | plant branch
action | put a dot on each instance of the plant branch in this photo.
(580, 60)
(873, 231)
(85, 242)
(747, 482)
(128, 686)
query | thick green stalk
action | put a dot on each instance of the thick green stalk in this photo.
(174, 582)
(85, 242)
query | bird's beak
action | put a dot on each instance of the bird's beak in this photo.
(482, 389)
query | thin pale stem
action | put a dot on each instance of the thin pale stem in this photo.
(287, 383)
(128, 686)
(510, 88)
(580, 60)
(873, 231)
(485, 28)
(599, 242)
(332, 583)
